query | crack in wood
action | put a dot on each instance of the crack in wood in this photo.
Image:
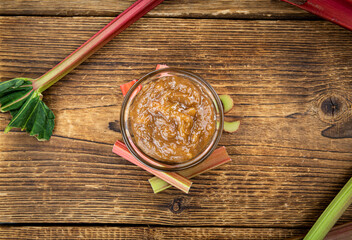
(343, 130)
(332, 106)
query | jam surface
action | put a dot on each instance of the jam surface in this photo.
(172, 119)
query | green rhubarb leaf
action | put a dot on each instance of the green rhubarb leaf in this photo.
(28, 111)
(14, 93)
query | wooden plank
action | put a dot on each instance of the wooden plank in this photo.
(82, 185)
(290, 80)
(145, 233)
(263, 9)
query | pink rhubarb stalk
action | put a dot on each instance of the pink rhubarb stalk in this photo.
(116, 26)
(125, 87)
(217, 158)
(22, 97)
(172, 178)
(337, 11)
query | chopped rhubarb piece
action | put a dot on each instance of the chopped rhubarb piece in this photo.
(227, 102)
(217, 158)
(172, 178)
(231, 126)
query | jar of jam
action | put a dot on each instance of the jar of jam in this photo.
(171, 119)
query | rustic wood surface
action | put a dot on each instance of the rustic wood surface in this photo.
(291, 83)
(145, 233)
(248, 9)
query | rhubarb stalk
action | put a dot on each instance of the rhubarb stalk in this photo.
(227, 102)
(217, 158)
(332, 213)
(172, 178)
(340, 232)
(23, 96)
(231, 127)
(336, 11)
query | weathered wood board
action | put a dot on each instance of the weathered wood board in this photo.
(244, 9)
(185, 233)
(291, 83)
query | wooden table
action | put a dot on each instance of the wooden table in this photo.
(288, 72)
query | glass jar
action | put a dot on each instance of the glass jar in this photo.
(125, 120)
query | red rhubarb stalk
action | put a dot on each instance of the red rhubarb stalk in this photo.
(161, 66)
(22, 97)
(125, 87)
(340, 232)
(217, 158)
(337, 11)
(116, 26)
(171, 178)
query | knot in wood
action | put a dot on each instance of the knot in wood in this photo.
(333, 108)
(177, 205)
(114, 126)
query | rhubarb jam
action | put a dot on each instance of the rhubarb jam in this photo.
(173, 119)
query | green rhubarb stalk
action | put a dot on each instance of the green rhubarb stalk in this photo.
(331, 214)
(336, 233)
(22, 97)
(231, 127)
(227, 102)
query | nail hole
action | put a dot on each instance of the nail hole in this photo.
(177, 205)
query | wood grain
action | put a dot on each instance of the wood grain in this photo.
(284, 171)
(146, 233)
(244, 9)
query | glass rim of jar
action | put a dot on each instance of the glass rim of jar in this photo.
(155, 163)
